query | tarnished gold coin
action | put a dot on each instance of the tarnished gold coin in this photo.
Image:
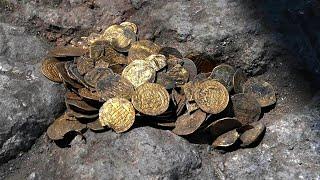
(72, 96)
(252, 135)
(166, 51)
(84, 64)
(75, 101)
(179, 74)
(156, 61)
(118, 114)
(72, 70)
(93, 76)
(246, 108)
(65, 77)
(95, 125)
(223, 125)
(261, 90)
(119, 37)
(239, 78)
(139, 72)
(191, 67)
(226, 140)
(151, 99)
(62, 126)
(142, 49)
(97, 49)
(67, 51)
(189, 123)
(211, 96)
(165, 80)
(89, 94)
(81, 115)
(224, 74)
(113, 57)
(49, 69)
(133, 27)
(114, 86)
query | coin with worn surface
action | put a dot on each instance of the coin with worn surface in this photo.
(239, 78)
(224, 74)
(166, 51)
(65, 77)
(165, 80)
(252, 135)
(151, 99)
(113, 57)
(67, 51)
(114, 86)
(227, 139)
(133, 27)
(189, 123)
(211, 96)
(84, 64)
(223, 125)
(81, 115)
(93, 76)
(261, 90)
(97, 49)
(246, 108)
(156, 61)
(62, 126)
(119, 37)
(79, 105)
(118, 114)
(179, 74)
(191, 67)
(49, 69)
(142, 49)
(95, 125)
(139, 72)
(89, 94)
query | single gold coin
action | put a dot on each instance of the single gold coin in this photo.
(252, 135)
(239, 78)
(133, 27)
(49, 69)
(224, 74)
(67, 51)
(261, 90)
(142, 49)
(118, 114)
(222, 126)
(151, 99)
(139, 72)
(211, 96)
(156, 61)
(189, 123)
(226, 140)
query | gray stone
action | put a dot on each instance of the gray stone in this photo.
(28, 101)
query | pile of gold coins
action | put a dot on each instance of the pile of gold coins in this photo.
(115, 81)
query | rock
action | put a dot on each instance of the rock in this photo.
(142, 153)
(28, 101)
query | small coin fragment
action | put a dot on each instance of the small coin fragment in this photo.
(67, 51)
(246, 108)
(156, 61)
(227, 139)
(142, 49)
(118, 114)
(239, 78)
(189, 123)
(151, 99)
(139, 72)
(49, 69)
(224, 74)
(223, 125)
(261, 90)
(252, 135)
(211, 96)
(133, 27)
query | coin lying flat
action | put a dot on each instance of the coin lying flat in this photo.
(133, 27)
(189, 123)
(49, 69)
(142, 49)
(118, 114)
(72, 96)
(252, 135)
(166, 51)
(67, 51)
(246, 108)
(211, 96)
(94, 75)
(139, 72)
(224, 74)
(114, 86)
(261, 90)
(239, 78)
(84, 65)
(156, 61)
(227, 139)
(191, 67)
(223, 125)
(62, 126)
(151, 99)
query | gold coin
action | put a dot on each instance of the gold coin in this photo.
(81, 115)
(211, 96)
(84, 64)
(246, 108)
(118, 114)
(224, 74)
(139, 72)
(78, 104)
(165, 80)
(156, 61)
(190, 67)
(222, 126)
(239, 78)
(73, 96)
(151, 99)
(226, 140)
(113, 57)
(189, 123)
(179, 74)
(142, 49)
(67, 51)
(133, 27)
(72, 70)
(261, 90)
(97, 49)
(93, 76)
(49, 69)
(88, 94)
(252, 135)
(62, 126)
(114, 86)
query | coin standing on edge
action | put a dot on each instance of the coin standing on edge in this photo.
(189, 123)
(239, 78)
(227, 139)
(49, 69)
(224, 74)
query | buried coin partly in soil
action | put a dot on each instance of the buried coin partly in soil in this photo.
(115, 81)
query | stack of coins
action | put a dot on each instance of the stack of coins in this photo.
(115, 81)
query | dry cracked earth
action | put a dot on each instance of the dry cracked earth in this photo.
(278, 41)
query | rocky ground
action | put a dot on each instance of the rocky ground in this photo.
(277, 41)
